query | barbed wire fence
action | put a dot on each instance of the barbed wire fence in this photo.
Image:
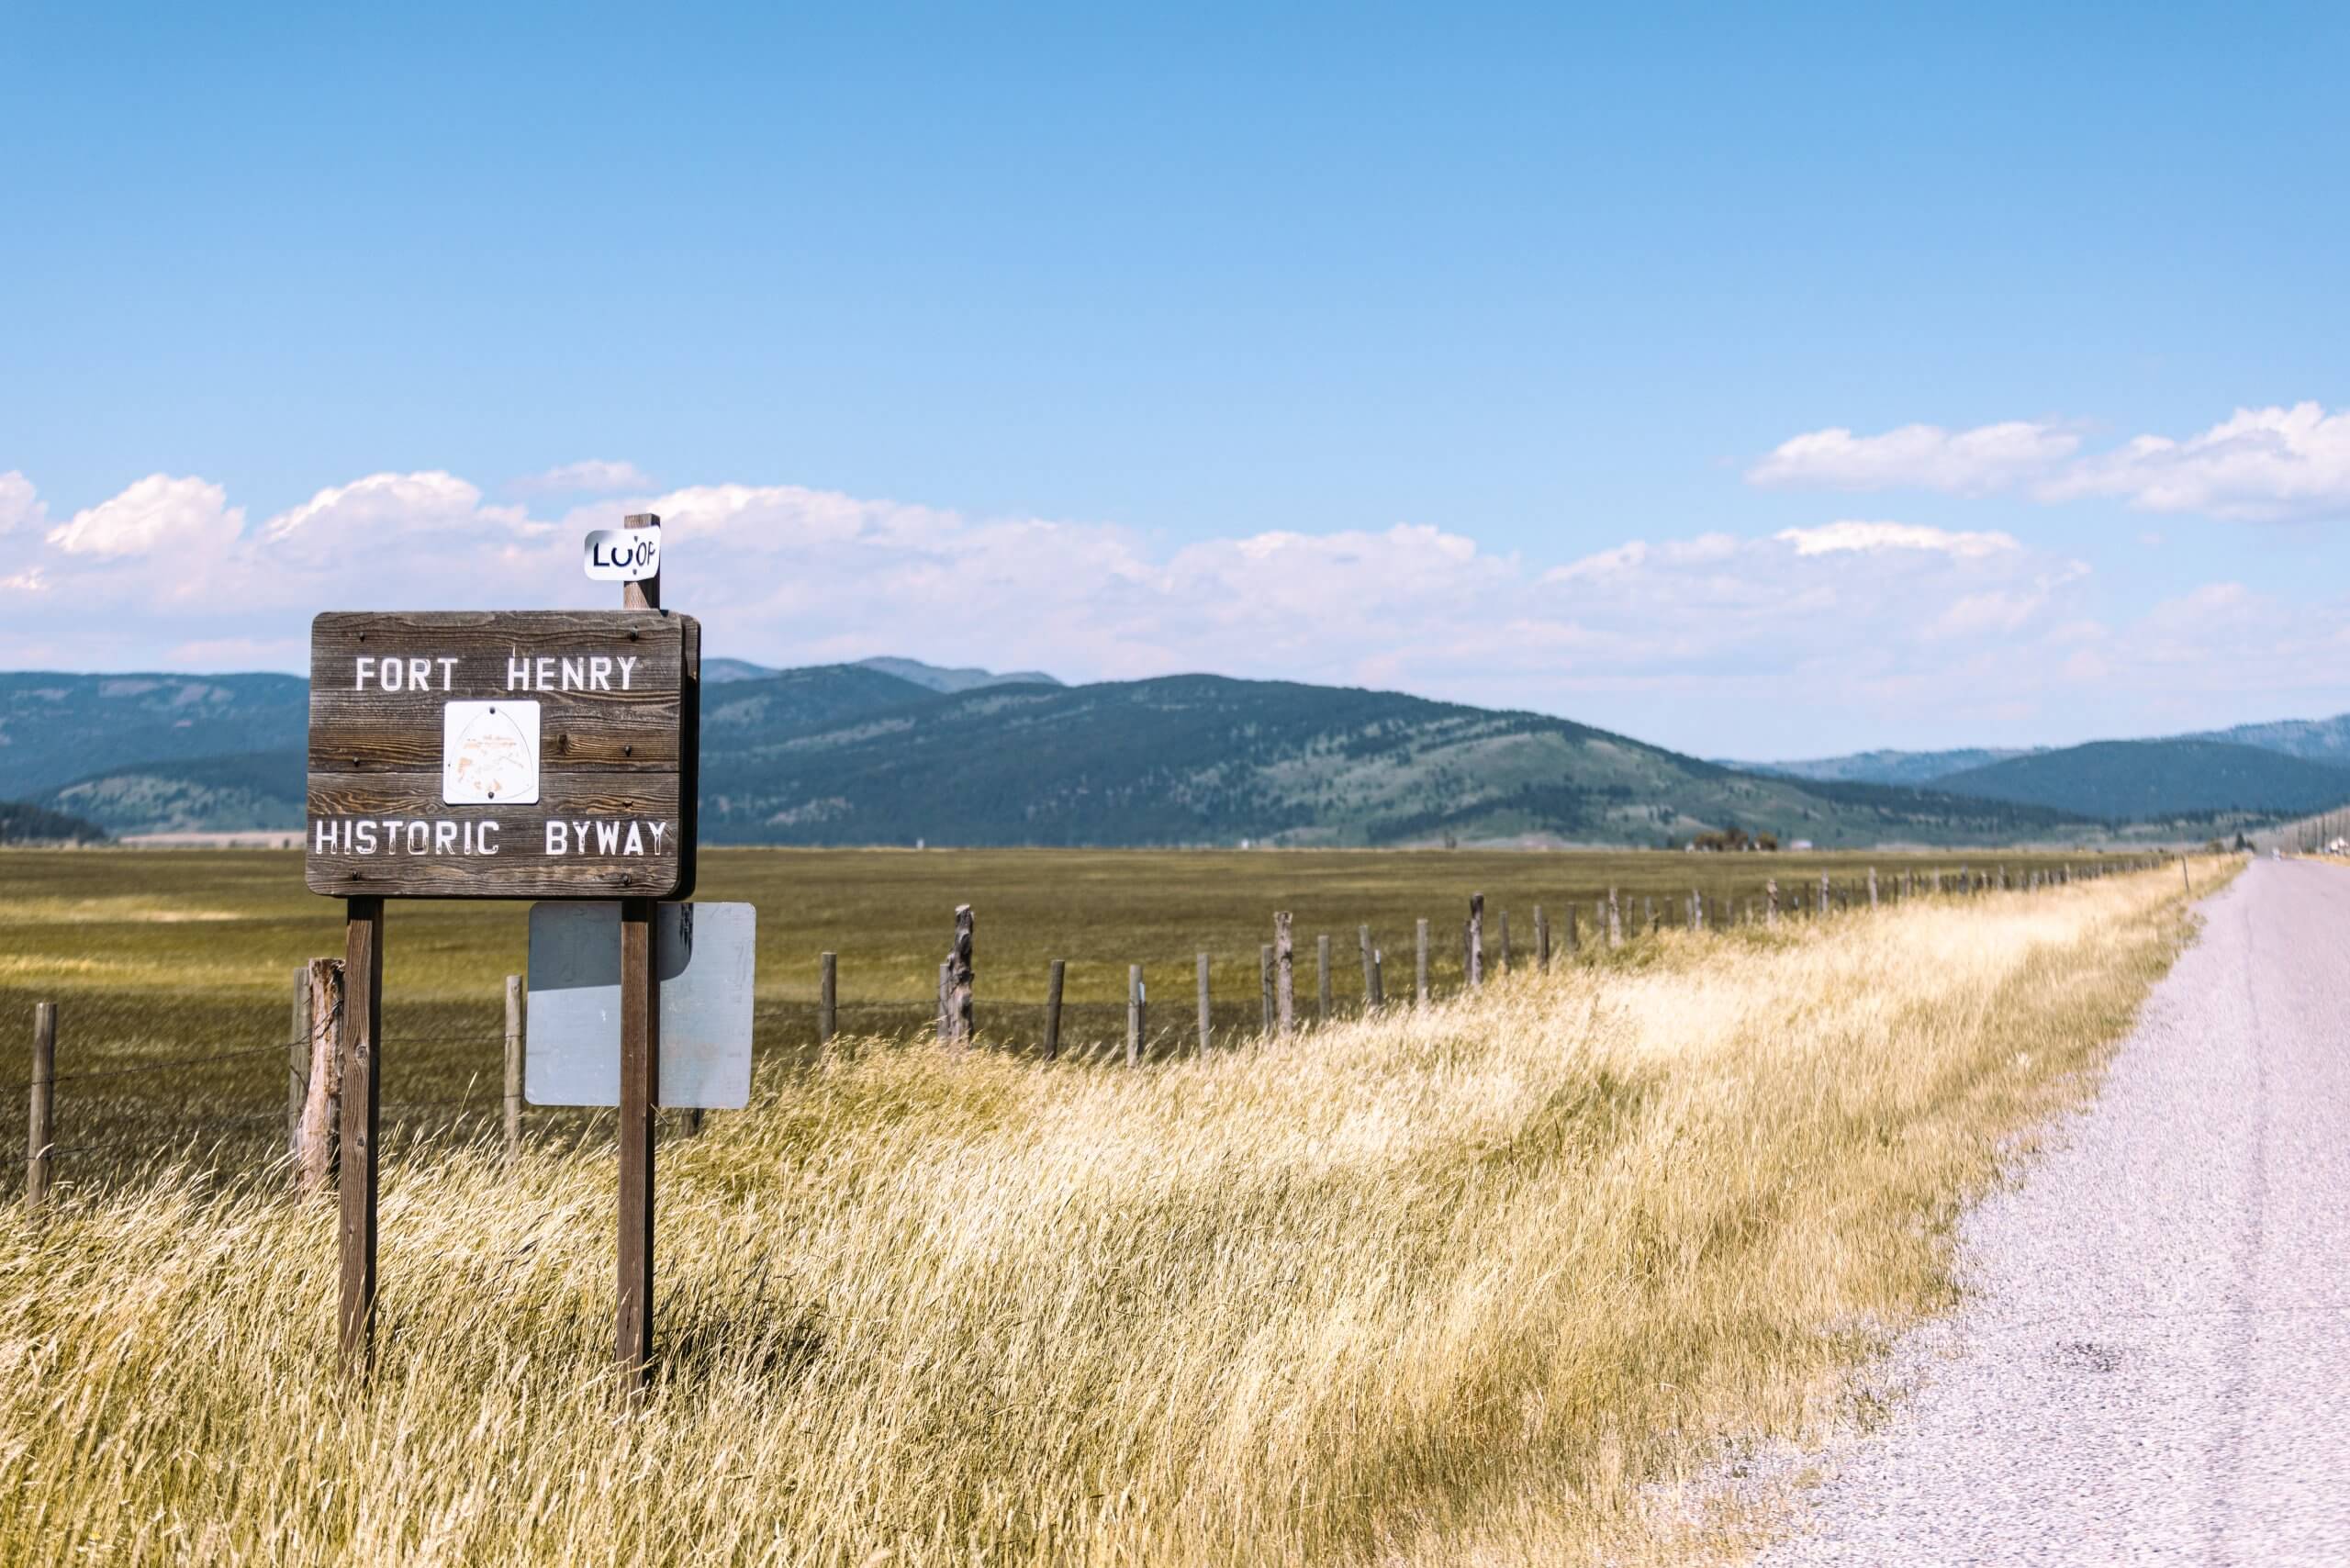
(1185, 1018)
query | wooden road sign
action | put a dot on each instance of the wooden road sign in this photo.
(509, 755)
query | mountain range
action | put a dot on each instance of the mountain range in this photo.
(895, 751)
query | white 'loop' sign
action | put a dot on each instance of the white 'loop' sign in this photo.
(623, 555)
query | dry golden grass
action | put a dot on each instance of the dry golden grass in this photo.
(1482, 1283)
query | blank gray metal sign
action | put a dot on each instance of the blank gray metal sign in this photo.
(572, 1054)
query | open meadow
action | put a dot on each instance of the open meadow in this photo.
(187, 956)
(1506, 1279)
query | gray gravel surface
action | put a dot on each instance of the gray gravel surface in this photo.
(2152, 1364)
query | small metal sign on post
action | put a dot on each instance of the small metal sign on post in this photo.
(508, 755)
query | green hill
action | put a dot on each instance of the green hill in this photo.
(1201, 759)
(204, 794)
(844, 754)
(24, 822)
(57, 728)
(2158, 780)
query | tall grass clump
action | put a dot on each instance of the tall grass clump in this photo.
(1473, 1283)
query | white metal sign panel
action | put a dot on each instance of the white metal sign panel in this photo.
(571, 1030)
(489, 753)
(623, 555)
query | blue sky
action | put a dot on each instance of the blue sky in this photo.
(1440, 349)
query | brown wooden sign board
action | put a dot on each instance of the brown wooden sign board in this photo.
(505, 754)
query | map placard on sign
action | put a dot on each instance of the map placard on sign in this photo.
(623, 555)
(518, 754)
(572, 1051)
(489, 752)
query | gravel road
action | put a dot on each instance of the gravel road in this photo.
(2152, 1361)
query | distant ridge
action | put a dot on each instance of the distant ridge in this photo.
(2159, 780)
(938, 679)
(1886, 767)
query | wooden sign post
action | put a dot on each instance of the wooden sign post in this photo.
(507, 754)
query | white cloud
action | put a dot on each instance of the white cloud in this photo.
(344, 516)
(191, 515)
(2258, 466)
(1966, 462)
(2266, 464)
(590, 476)
(1830, 538)
(1846, 629)
(21, 504)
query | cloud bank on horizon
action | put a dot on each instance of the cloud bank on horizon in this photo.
(1710, 640)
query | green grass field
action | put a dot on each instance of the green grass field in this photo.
(157, 956)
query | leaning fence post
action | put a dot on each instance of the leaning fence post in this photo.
(960, 1012)
(1054, 976)
(1476, 940)
(322, 1107)
(297, 1062)
(828, 997)
(41, 1133)
(1420, 939)
(1284, 972)
(513, 1066)
(1204, 1027)
(1134, 1015)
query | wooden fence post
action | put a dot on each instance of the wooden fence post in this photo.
(1648, 910)
(1771, 902)
(1378, 978)
(1054, 976)
(1369, 981)
(960, 1009)
(1134, 1014)
(1872, 887)
(1205, 1028)
(1420, 937)
(513, 1066)
(314, 1161)
(1615, 920)
(1575, 938)
(1284, 973)
(1541, 942)
(41, 1136)
(828, 997)
(361, 1028)
(1322, 978)
(298, 1062)
(1476, 940)
(1502, 932)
